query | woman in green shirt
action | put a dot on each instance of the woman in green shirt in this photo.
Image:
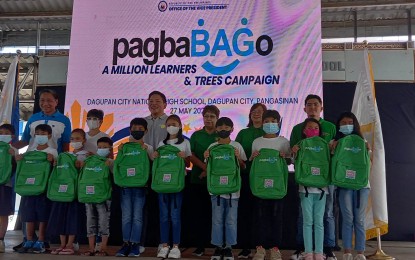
(246, 137)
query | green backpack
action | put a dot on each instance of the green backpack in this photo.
(94, 184)
(5, 163)
(63, 181)
(168, 171)
(312, 165)
(268, 177)
(32, 174)
(132, 166)
(350, 164)
(223, 173)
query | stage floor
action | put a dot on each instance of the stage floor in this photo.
(399, 250)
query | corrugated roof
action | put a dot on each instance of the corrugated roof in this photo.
(31, 6)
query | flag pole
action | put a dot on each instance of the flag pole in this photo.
(379, 254)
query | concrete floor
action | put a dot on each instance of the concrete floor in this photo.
(399, 250)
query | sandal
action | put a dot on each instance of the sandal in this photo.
(67, 251)
(101, 253)
(88, 253)
(57, 251)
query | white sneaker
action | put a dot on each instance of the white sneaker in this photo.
(75, 247)
(97, 247)
(142, 249)
(163, 252)
(175, 253)
(259, 254)
(347, 256)
(309, 256)
(275, 254)
(297, 255)
(2, 246)
(360, 257)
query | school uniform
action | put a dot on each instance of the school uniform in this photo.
(64, 217)
(36, 208)
(268, 213)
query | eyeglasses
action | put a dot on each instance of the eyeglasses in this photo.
(209, 116)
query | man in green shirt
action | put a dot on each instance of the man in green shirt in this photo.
(313, 108)
(201, 205)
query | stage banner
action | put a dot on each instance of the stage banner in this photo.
(231, 54)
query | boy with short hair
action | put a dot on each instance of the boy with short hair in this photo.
(6, 190)
(94, 120)
(36, 208)
(98, 214)
(268, 212)
(133, 198)
(225, 208)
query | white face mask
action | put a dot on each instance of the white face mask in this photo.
(76, 145)
(173, 130)
(41, 139)
(6, 138)
(104, 152)
(92, 124)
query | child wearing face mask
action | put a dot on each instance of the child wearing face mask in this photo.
(352, 203)
(64, 216)
(37, 208)
(133, 198)
(6, 188)
(170, 204)
(268, 212)
(94, 119)
(98, 214)
(225, 213)
(313, 200)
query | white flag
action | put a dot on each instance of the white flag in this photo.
(7, 96)
(366, 110)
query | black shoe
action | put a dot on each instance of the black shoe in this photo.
(329, 253)
(337, 248)
(16, 248)
(227, 254)
(245, 253)
(217, 255)
(199, 251)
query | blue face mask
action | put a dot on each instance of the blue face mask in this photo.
(6, 138)
(103, 152)
(271, 128)
(346, 129)
(41, 139)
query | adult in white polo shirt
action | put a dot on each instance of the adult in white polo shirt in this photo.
(156, 121)
(61, 126)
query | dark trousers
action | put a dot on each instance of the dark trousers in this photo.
(245, 214)
(268, 222)
(197, 216)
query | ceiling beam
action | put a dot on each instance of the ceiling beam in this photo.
(366, 3)
(36, 15)
(364, 23)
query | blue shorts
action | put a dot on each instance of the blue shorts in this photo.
(6, 200)
(35, 208)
